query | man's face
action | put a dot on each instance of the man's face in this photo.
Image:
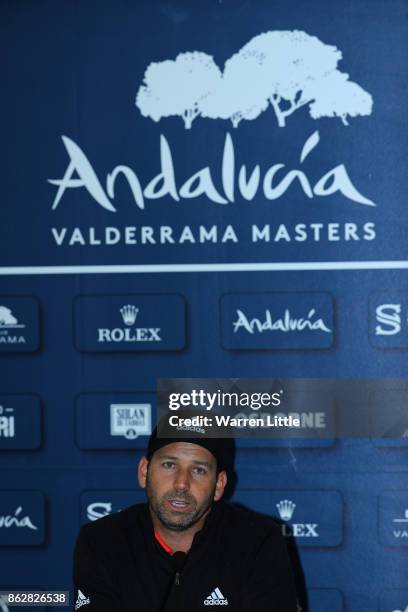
(181, 484)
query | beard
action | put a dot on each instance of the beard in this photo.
(173, 520)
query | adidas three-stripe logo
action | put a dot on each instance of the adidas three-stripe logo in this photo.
(216, 599)
(82, 600)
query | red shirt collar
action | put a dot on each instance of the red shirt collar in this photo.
(162, 543)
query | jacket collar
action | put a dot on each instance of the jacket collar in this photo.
(140, 521)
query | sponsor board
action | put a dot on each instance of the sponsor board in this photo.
(393, 518)
(276, 74)
(259, 147)
(315, 410)
(389, 417)
(131, 420)
(130, 323)
(114, 420)
(19, 324)
(323, 600)
(277, 321)
(20, 422)
(95, 504)
(394, 600)
(22, 518)
(224, 96)
(389, 319)
(312, 518)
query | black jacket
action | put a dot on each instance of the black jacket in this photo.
(238, 561)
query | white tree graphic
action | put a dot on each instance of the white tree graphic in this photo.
(286, 69)
(301, 70)
(241, 94)
(336, 96)
(178, 87)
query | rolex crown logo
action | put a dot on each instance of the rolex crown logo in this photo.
(129, 314)
(286, 509)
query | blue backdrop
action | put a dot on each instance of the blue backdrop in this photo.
(207, 189)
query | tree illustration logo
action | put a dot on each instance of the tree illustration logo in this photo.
(284, 70)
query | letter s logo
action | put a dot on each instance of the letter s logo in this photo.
(389, 315)
(98, 510)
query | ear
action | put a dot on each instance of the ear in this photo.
(220, 485)
(142, 472)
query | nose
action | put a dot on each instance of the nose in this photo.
(181, 480)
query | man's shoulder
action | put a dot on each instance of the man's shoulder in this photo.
(250, 525)
(111, 526)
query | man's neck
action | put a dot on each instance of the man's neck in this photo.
(178, 540)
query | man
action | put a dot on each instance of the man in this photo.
(184, 550)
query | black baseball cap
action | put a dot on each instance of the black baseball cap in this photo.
(164, 434)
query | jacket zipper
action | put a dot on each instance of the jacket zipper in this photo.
(177, 578)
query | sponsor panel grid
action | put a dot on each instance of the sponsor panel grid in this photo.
(312, 518)
(20, 422)
(22, 519)
(277, 321)
(129, 323)
(19, 324)
(393, 518)
(114, 420)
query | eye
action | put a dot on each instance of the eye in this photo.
(200, 471)
(168, 465)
